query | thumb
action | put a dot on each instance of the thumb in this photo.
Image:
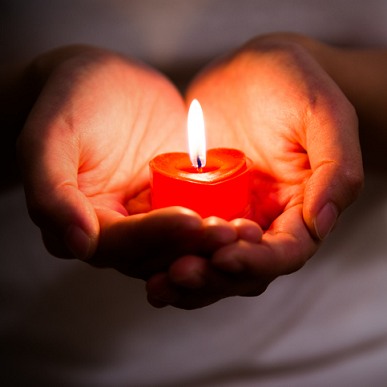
(337, 172)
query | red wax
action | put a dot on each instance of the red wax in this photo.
(221, 188)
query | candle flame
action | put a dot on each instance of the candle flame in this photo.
(196, 135)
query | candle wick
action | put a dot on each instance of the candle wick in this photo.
(199, 164)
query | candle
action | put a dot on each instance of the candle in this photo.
(212, 183)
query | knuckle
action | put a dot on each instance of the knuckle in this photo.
(39, 211)
(355, 183)
(35, 213)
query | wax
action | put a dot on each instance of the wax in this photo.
(221, 188)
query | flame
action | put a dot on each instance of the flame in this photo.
(196, 135)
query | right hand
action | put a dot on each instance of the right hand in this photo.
(274, 101)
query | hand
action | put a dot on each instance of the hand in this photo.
(272, 100)
(84, 153)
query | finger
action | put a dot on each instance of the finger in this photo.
(157, 284)
(156, 303)
(193, 283)
(167, 293)
(217, 232)
(48, 156)
(336, 162)
(144, 244)
(284, 248)
(197, 273)
(247, 230)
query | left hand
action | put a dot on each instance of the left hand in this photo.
(84, 151)
(273, 101)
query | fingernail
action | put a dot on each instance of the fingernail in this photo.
(325, 220)
(78, 242)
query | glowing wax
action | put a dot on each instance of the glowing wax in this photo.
(221, 188)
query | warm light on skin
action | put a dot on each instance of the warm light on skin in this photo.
(196, 135)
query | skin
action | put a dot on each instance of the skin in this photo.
(274, 101)
(84, 154)
(101, 117)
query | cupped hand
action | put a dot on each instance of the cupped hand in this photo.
(84, 153)
(272, 100)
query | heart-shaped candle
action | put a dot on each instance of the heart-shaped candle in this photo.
(216, 183)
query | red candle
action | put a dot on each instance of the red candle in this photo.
(216, 183)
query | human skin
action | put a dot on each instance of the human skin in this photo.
(84, 153)
(275, 102)
(101, 117)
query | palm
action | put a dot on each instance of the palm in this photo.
(97, 123)
(263, 116)
(136, 115)
(101, 118)
(279, 108)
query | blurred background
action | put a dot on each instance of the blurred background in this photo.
(180, 35)
(64, 323)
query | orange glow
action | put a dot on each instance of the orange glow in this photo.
(222, 188)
